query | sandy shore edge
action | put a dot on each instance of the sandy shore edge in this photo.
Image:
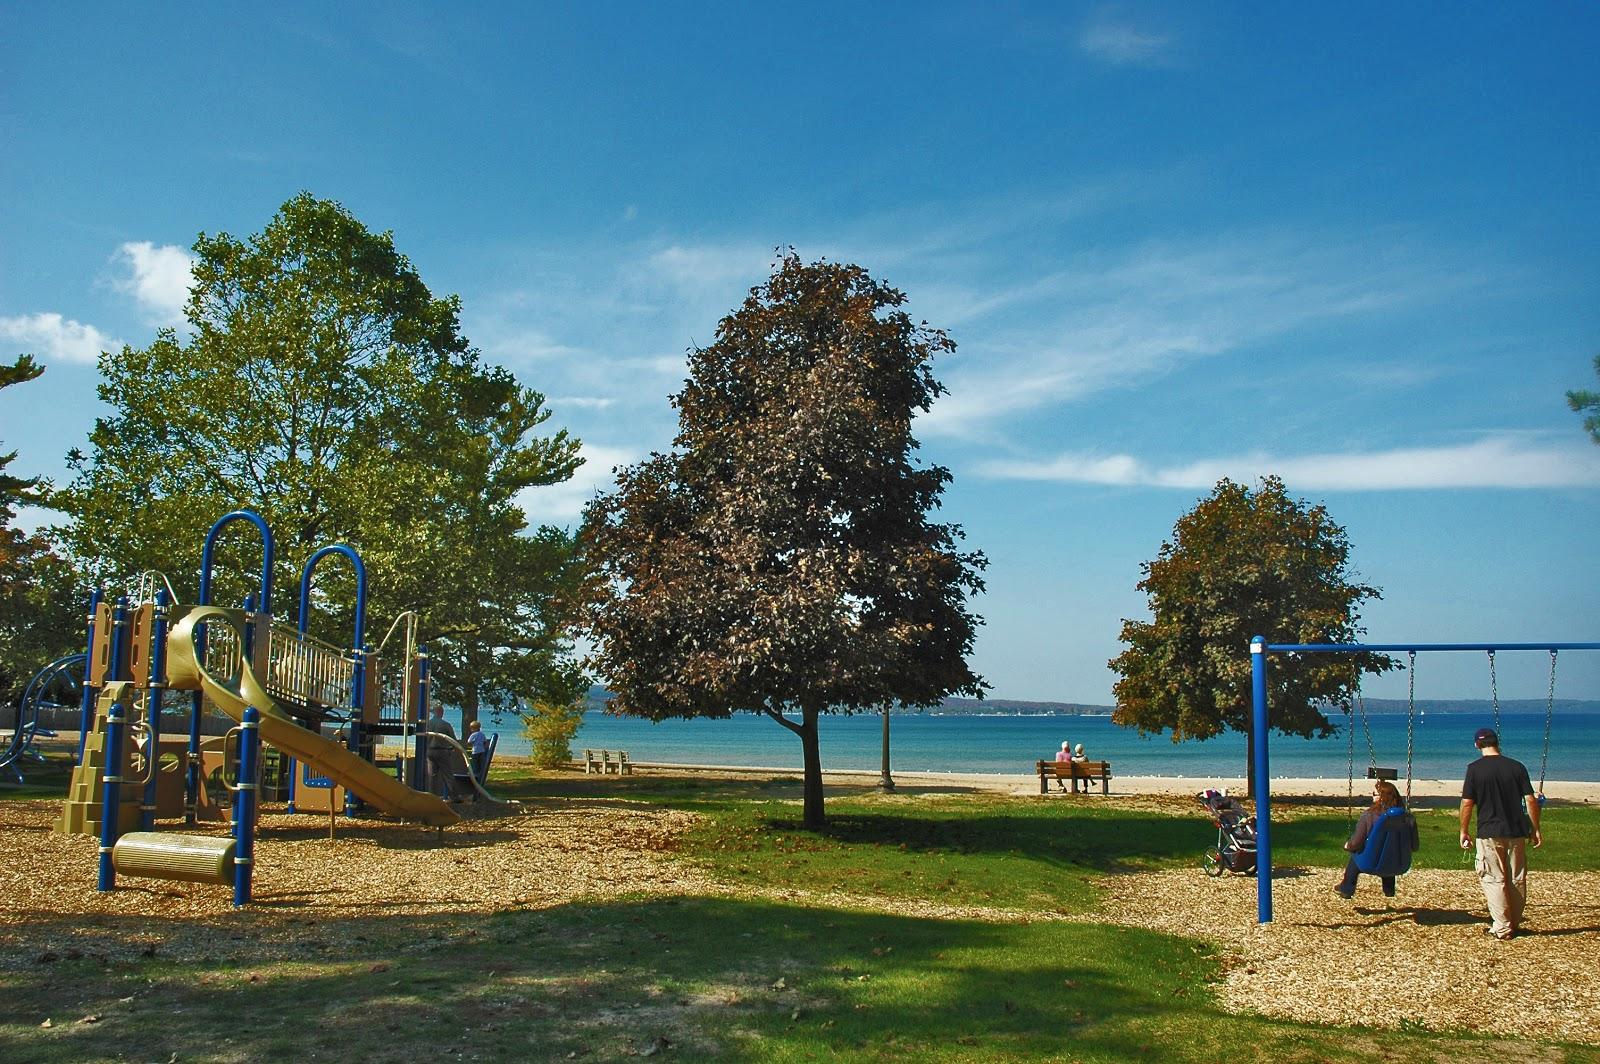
(1028, 783)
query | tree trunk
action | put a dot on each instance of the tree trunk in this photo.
(814, 819)
(469, 705)
(1250, 764)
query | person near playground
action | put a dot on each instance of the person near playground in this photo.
(478, 743)
(1385, 797)
(441, 756)
(1499, 790)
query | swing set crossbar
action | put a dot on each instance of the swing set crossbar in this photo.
(1260, 649)
(1401, 648)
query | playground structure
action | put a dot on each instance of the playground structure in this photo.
(320, 706)
(1261, 717)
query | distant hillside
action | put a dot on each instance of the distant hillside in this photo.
(959, 706)
(599, 696)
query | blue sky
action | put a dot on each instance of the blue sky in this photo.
(1352, 246)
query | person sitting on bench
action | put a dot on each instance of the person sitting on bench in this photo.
(1063, 756)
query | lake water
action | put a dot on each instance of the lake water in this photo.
(1010, 744)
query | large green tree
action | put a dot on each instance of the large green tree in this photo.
(39, 617)
(1586, 402)
(320, 383)
(1243, 563)
(780, 559)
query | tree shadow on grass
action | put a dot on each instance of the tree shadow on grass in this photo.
(709, 978)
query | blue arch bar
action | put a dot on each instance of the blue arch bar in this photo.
(358, 686)
(1259, 649)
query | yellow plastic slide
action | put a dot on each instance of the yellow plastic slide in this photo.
(186, 671)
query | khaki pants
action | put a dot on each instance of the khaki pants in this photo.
(1503, 871)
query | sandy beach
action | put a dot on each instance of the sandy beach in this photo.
(1028, 783)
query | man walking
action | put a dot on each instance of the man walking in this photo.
(1495, 786)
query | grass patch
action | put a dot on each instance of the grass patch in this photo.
(965, 851)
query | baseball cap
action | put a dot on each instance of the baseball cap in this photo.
(1486, 736)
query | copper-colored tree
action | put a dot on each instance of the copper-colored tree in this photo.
(1243, 563)
(780, 560)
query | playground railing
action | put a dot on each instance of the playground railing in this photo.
(306, 670)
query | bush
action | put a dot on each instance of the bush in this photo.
(549, 729)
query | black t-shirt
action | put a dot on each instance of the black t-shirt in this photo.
(1497, 784)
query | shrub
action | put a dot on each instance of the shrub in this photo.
(549, 729)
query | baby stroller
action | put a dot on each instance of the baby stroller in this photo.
(1235, 850)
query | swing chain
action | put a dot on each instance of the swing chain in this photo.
(1494, 693)
(1350, 786)
(1411, 718)
(1549, 714)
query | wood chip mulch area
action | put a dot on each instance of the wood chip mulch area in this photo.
(1421, 959)
(372, 870)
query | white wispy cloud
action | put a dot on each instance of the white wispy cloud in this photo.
(1116, 41)
(1493, 461)
(1112, 320)
(564, 502)
(54, 338)
(583, 402)
(158, 277)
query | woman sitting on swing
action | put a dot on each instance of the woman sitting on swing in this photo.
(1382, 844)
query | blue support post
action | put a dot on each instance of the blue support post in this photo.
(1263, 793)
(110, 796)
(86, 716)
(249, 606)
(244, 805)
(155, 683)
(419, 756)
(119, 641)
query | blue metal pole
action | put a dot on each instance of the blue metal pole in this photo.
(1263, 795)
(86, 716)
(155, 683)
(249, 606)
(419, 756)
(110, 796)
(1345, 648)
(119, 641)
(244, 806)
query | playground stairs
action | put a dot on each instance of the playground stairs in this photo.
(82, 811)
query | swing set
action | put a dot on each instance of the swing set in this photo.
(1380, 855)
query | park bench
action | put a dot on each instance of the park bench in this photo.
(1073, 771)
(607, 761)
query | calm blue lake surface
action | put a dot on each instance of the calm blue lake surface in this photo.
(921, 742)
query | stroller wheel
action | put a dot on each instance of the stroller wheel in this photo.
(1211, 861)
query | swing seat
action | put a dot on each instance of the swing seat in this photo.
(1388, 848)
